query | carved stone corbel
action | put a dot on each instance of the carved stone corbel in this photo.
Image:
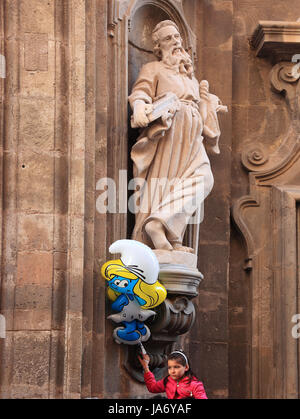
(280, 42)
(277, 41)
(284, 78)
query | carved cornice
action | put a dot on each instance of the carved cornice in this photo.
(276, 40)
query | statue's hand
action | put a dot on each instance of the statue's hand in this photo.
(140, 118)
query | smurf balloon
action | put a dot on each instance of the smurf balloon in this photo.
(134, 289)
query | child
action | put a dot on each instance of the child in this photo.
(179, 384)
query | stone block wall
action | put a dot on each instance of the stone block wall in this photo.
(43, 197)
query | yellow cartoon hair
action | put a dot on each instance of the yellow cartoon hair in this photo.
(153, 294)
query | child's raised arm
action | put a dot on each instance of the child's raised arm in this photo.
(152, 385)
(145, 362)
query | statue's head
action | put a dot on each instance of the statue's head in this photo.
(166, 37)
(168, 46)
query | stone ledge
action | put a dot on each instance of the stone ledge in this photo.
(277, 39)
(180, 279)
(176, 257)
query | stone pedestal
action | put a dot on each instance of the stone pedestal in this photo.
(180, 279)
(178, 272)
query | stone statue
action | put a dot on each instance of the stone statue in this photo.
(175, 113)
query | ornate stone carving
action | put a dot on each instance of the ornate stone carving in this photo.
(175, 317)
(285, 79)
(254, 157)
(281, 38)
(267, 220)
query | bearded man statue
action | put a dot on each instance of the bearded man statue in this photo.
(169, 157)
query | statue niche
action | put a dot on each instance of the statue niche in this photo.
(176, 114)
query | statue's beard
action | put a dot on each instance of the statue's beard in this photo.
(177, 57)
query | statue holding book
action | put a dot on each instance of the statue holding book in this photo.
(176, 114)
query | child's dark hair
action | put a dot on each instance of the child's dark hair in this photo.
(181, 358)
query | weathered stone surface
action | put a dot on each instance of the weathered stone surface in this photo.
(35, 268)
(202, 356)
(30, 373)
(35, 232)
(38, 18)
(38, 132)
(56, 364)
(35, 186)
(36, 51)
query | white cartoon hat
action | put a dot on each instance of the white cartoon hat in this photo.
(138, 258)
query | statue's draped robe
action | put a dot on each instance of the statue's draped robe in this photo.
(173, 154)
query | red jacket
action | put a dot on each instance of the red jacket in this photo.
(175, 389)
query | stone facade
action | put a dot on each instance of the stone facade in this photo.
(63, 126)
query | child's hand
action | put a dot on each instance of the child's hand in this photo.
(144, 362)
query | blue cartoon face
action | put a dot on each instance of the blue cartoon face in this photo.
(122, 285)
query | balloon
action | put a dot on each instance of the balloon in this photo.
(133, 288)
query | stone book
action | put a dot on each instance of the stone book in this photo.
(162, 106)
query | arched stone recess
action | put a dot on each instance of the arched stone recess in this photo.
(130, 24)
(125, 20)
(268, 219)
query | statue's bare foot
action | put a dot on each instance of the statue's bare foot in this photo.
(181, 248)
(156, 232)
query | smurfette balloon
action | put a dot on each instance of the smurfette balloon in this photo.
(134, 288)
